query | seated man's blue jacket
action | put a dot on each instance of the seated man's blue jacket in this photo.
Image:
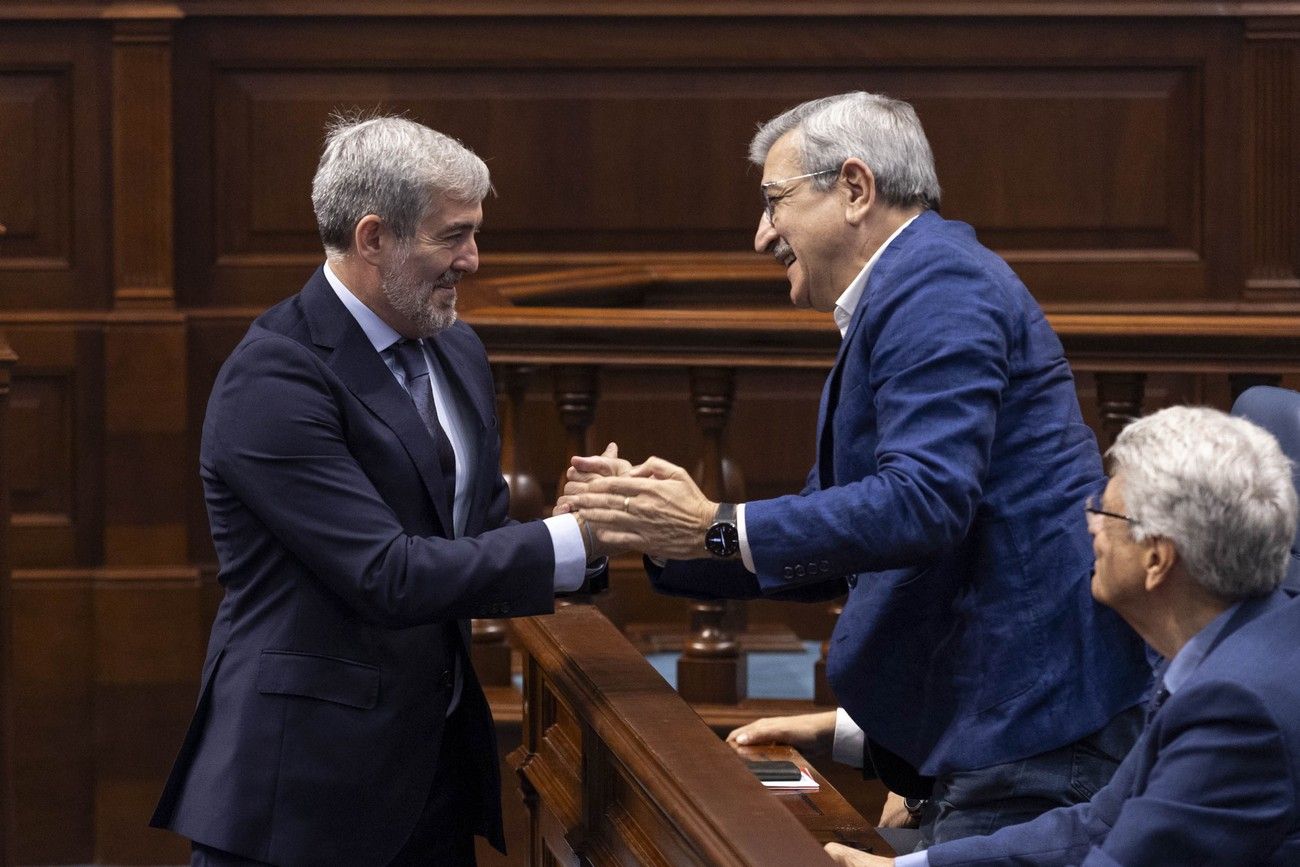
(1212, 780)
(952, 467)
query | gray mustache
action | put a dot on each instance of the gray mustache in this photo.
(781, 250)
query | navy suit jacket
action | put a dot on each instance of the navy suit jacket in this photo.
(329, 670)
(952, 467)
(1213, 780)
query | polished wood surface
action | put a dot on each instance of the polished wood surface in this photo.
(618, 769)
(1132, 159)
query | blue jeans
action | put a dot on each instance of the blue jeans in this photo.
(976, 803)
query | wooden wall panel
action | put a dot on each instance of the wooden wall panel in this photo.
(1121, 163)
(54, 454)
(52, 179)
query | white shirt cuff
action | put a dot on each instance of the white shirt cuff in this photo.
(849, 740)
(570, 553)
(912, 859)
(746, 556)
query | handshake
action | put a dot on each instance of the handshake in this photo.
(654, 507)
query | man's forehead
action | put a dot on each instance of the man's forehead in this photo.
(446, 212)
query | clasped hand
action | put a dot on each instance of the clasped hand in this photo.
(654, 507)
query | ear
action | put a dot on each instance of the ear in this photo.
(860, 182)
(1159, 561)
(369, 239)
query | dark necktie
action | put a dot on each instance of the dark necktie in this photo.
(410, 355)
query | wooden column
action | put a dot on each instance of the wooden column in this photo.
(1272, 195)
(7, 825)
(142, 164)
(712, 669)
(577, 388)
(1119, 399)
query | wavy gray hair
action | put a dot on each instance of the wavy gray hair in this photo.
(884, 133)
(1219, 488)
(393, 168)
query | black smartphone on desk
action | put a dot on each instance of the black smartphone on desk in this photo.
(773, 771)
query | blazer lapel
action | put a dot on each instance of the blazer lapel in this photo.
(831, 392)
(472, 385)
(355, 362)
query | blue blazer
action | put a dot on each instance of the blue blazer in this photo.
(1213, 779)
(952, 467)
(328, 673)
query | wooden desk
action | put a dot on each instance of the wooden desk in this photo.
(825, 813)
(617, 769)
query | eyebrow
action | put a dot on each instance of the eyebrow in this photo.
(457, 228)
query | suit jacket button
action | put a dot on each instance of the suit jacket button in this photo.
(853, 581)
(812, 568)
(798, 570)
(447, 680)
(826, 565)
(788, 571)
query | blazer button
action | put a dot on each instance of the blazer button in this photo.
(788, 571)
(798, 570)
(447, 680)
(812, 568)
(826, 565)
(853, 581)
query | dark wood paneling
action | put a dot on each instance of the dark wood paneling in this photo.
(55, 453)
(53, 198)
(1098, 160)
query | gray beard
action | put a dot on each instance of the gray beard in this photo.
(411, 297)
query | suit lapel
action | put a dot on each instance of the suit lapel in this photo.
(456, 350)
(831, 392)
(357, 364)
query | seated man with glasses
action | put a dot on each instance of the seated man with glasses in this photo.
(1192, 539)
(952, 458)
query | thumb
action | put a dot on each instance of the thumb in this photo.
(611, 451)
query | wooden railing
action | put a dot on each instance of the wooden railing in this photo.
(616, 769)
(578, 346)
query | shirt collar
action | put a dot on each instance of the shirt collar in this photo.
(847, 303)
(1191, 654)
(380, 333)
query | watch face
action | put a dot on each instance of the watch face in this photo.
(722, 540)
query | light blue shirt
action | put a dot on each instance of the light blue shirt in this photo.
(1180, 668)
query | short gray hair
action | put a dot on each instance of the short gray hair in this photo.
(884, 133)
(1218, 487)
(393, 168)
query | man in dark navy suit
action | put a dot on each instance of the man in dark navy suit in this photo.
(952, 461)
(1192, 538)
(350, 463)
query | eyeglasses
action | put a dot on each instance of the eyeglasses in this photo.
(769, 203)
(1095, 514)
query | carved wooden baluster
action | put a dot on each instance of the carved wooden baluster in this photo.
(711, 668)
(8, 826)
(1119, 398)
(577, 388)
(822, 693)
(1239, 382)
(490, 646)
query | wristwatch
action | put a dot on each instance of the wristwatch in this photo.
(722, 538)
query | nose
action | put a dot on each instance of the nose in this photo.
(766, 236)
(467, 259)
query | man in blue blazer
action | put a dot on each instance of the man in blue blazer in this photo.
(1192, 540)
(350, 463)
(952, 462)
